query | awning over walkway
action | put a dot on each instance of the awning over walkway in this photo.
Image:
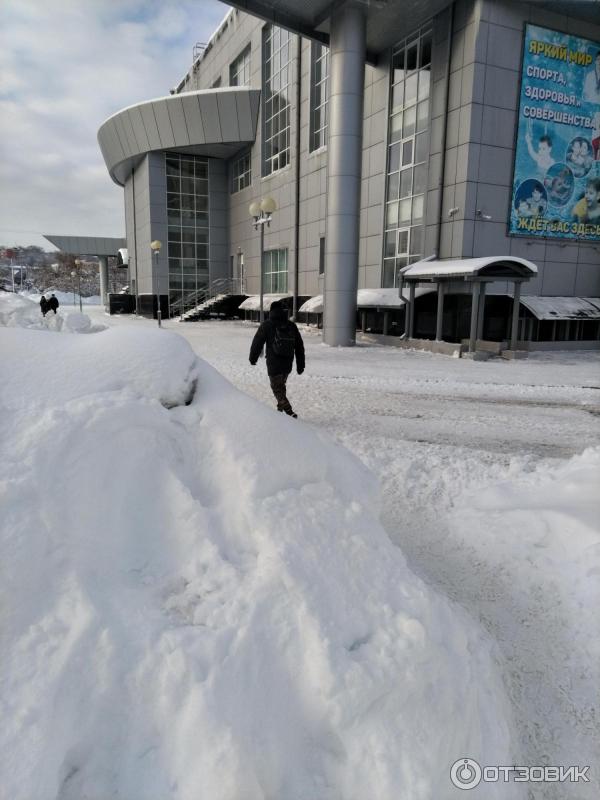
(252, 303)
(87, 245)
(366, 298)
(496, 267)
(559, 308)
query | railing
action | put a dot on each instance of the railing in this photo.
(192, 301)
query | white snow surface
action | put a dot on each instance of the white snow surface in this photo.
(67, 299)
(23, 311)
(489, 474)
(199, 601)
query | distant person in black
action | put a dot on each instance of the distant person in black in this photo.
(283, 342)
(44, 306)
(53, 303)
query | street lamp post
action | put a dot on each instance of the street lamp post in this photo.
(78, 264)
(155, 246)
(262, 213)
(73, 274)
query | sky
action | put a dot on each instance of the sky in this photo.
(65, 67)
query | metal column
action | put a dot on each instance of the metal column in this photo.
(481, 313)
(439, 322)
(474, 317)
(410, 328)
(347, 73)
(515, 316)
(103, 269)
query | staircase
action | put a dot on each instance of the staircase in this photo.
(221, 298)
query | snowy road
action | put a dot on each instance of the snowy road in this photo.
(469, 455)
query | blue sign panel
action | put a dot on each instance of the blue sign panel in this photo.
(556, 184)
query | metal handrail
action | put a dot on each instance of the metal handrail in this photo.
(195, 300)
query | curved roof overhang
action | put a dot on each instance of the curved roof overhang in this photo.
(214, 122)
(386, 22)
(489, 267)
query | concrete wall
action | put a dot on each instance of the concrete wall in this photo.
(218, 219)
(482, 118)
(150, 222)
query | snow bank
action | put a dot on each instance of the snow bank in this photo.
(65, 298)
(201, 602)
(21, 311)
(538, 543)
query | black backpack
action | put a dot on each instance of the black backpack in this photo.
(284, 341)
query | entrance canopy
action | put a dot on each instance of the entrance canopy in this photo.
(384, 299)
(562, 308)
(87, 245)
(477, 273)
(252, 303)
(490, 267)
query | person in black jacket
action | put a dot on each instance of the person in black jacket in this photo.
(283, 341)
(53, 303)
(43, 306)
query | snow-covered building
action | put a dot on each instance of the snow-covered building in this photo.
(386, 133)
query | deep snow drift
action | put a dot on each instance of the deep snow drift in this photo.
(198, 601)
(23, 311)
(490, 474)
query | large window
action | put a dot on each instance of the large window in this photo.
(275, 94)
(187, 217)
(408, 154)
(275, 271)
(239, 70)
(241, 173)
(319, 95)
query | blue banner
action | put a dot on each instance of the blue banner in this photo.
(556, 183)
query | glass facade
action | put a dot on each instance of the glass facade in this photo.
(408, 154)
(275, 98)
(319, 95)
(188, 221)
(275, 271)
(241, 173)
(239, 70)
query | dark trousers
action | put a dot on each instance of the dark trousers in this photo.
(278, 386)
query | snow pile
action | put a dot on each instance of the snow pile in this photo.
(200, 602)
(64, 298)
(20, 311)
(538, 537)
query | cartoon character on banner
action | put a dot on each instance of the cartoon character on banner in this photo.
(531, 199)
(587, 208)
(543, 155)
(596, 137)
(580, 156)
(559, 183)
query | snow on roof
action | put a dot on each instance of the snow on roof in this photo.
(313, 306)
(253, 303)
(366, 298)
(562, 307)
(465, 266)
